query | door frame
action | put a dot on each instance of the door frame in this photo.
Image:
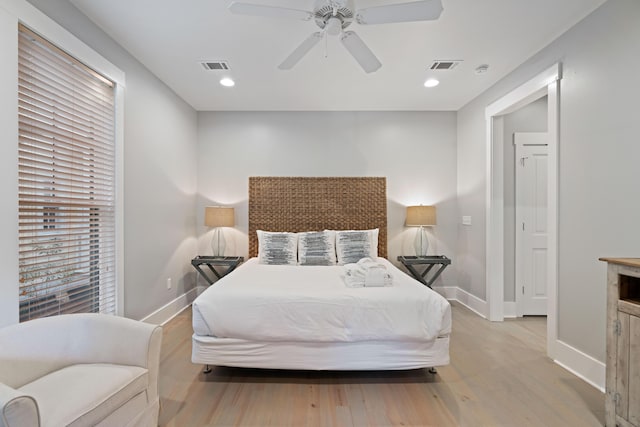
(546, 83)
(519, 297)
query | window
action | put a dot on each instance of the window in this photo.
(66, 165)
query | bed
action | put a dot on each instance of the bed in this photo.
(304, 316)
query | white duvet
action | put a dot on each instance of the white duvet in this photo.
(312, 303)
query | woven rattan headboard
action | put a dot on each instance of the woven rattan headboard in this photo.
(308, 204)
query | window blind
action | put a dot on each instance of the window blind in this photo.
(66, 194)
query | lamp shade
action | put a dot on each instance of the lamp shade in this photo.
(420, 216)
(218, 216)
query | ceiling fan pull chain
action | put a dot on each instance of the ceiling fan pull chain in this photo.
(326, 45)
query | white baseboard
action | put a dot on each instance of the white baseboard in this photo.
(581, 364)
(472, 302)
(173, 308)
(510, 309)
(449, 292)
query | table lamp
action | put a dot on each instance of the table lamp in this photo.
(421, 216)
(218, 217)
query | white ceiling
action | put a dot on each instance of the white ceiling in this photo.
(170, 37)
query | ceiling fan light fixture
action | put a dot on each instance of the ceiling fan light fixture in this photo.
(431, 83)
(227, 82)
(334, 26)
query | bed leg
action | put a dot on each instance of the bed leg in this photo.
(433, 370)
(207, 369)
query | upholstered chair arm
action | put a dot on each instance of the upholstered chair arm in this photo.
(17, 409)
(32, 349)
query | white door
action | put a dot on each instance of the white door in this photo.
(531, 223)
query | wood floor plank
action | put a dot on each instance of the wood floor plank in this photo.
(499, 376)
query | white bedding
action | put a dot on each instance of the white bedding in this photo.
(283, 303)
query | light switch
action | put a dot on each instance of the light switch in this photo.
(466, 220)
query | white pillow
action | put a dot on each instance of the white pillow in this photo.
(277, 248)
(317, 248)
(353, 245)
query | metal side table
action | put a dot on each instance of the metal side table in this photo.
(429, 261)
(231, 262)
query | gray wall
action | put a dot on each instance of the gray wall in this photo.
(416, 151)
(530, 118)
(9, 301)
(598, 207)
(160, 133)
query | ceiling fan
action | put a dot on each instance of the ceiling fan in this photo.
(334, 16)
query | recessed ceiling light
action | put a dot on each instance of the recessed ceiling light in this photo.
(431, 83)
(227, 82)
(481, 69)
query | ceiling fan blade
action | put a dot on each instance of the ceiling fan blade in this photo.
(269, 11)
(360, 51)
(427, 10)
(301, 51)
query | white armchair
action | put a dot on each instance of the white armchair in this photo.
(79, 370)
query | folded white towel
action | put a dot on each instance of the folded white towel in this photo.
(367, 263)
(354, 275)
(367, 272)
(377, 276)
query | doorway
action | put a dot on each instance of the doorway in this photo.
(546, 83)
(530, 231)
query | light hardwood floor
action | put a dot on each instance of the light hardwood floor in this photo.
(498, 376)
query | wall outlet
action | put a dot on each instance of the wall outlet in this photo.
(466, 220)
(168, 282)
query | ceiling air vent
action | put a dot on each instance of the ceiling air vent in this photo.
(444, 64)
(215, 65)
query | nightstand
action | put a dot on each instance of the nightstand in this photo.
(230, 262)
(429, 262)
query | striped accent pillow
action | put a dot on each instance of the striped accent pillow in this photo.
(317, 248)
(353, 245)
(277, 248)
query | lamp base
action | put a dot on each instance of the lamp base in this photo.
(421, 243)
(218, 243)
